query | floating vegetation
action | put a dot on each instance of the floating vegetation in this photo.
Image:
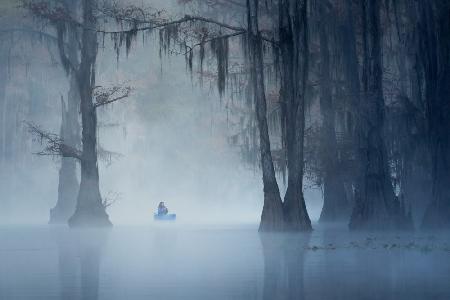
(371, 243)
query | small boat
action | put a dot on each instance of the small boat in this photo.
(167, 217)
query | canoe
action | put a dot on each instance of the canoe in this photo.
(168, 217)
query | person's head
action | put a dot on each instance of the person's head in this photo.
(161, 204)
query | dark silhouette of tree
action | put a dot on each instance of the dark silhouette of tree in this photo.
(349, 94)
(434, 55)
(68, 184)
(293, 42)
(377, 206)
(90, 208)
(335, 204)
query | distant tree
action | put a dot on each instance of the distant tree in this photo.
(68, 184)
(294, 52)
(376, 206)
(336, 207)
(90, 208)
(433, 50)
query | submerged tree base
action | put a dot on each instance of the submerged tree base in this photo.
(60, 215)
(90, 218)
(296, 222)
(335, 208)
(296, 218)
(272, 214)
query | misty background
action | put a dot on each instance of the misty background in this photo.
(171, 137)
(174, 139)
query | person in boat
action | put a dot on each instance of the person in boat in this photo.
(162, 209)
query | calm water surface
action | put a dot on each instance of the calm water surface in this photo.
(234, 262)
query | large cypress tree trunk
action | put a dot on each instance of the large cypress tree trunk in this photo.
(376, 205)
(352, 83)
(335, 204)
(418, 185)
(68, 184)
(294, 56)
(89, 209)
(407, 129)
(435, 53)
(272, 214)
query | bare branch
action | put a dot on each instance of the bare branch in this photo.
(156, 24)
(129, 16)
(103, 95)
(53, 143)
(110, 199)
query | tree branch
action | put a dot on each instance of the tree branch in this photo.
(105, 96)
(58, 15)
(156, 25)
(53, 143)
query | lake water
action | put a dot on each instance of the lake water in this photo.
(171, 261)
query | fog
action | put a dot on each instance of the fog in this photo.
(233, 262)
(170, 136)
(218, 158)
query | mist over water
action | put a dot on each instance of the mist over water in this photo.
(168, 261)
(170, 142)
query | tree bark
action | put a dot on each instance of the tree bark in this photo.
(351, 75)
(292, 32)
(376, 205)
(272, 214)
(335, 204)
(408, 135)
(89, 209)
(68, 184)
(434, 47)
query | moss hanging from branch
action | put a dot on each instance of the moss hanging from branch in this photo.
(220, 49)
(121, 38)
(202, 57)
(167, 34)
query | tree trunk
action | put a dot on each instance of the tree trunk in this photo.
(292, 31)
(89, 210)
(351, 76)
(435, 53)
(68, 184)
(272, 214)
(335, 204)
(408, 136)
(376, 205)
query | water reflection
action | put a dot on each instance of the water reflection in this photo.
(67, 264)
(284, 259)
(161, 263)
(79, 257)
